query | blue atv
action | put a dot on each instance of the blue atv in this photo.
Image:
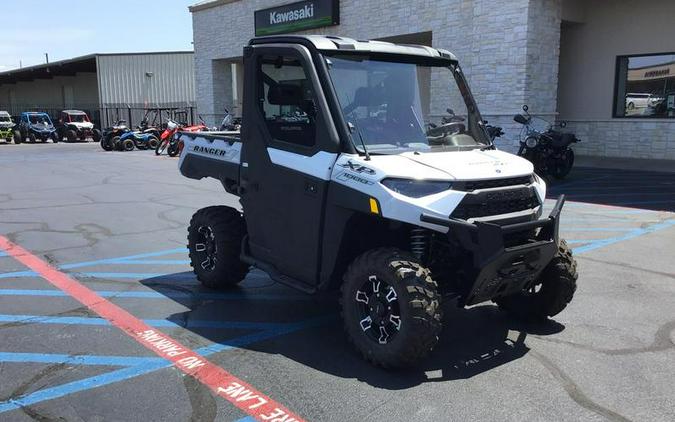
(136, 139)
(36, 126)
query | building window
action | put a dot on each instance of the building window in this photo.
(645, 86)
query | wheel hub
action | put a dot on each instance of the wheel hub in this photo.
(379, 310)
(206, 248)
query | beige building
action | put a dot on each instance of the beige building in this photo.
(577, 60)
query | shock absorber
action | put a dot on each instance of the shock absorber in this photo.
(418, 242)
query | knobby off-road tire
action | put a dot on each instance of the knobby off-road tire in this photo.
(71, 135)
(214, 243)
(153, 143)
(558, 282)
(18, 137)
(162, 146)
(96, 135)
(391, 308)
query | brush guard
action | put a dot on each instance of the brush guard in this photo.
(501, 270)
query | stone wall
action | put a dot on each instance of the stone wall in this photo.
(625, 138)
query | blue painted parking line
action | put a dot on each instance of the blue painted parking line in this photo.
(238, 295)
(77, 359)
(247, 419)
(154, 262)
(114, 275)
(629, 235)
(123, 258)
(159, 323)
(145, 368)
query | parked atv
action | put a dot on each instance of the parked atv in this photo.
(141, 140)
(74, 125)
(36, 126)
(7, 131)
(113, 133)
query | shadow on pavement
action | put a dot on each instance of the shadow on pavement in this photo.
(623, 188)
(473, 341)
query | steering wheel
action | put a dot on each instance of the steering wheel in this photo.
(447, 129)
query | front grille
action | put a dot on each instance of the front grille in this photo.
(472, 185)
(490, 203)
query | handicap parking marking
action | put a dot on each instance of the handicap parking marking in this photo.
(224, 384)
(139, 368)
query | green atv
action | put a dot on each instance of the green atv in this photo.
(7, 131)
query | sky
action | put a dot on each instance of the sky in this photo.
(66, 29)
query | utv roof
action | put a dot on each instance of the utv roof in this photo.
(334, 43)
(33, 112)
(3, 113)
(73, 112)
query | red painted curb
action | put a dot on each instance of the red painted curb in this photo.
(224, 384)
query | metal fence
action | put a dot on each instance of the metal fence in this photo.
(105, 115)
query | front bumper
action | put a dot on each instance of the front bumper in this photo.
(500, 267)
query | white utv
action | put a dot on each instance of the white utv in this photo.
(346, 182)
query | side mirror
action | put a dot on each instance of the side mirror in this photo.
(450, 111)
(563, 123)
(525, 108)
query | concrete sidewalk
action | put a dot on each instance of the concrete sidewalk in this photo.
(625, 163)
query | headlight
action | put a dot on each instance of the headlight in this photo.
(531, 142)
(416, 188)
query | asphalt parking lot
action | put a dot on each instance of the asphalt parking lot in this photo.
(116, 222)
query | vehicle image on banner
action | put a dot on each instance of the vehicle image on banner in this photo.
(548, 149)
(7, 131)
(343, 186)
(36, 126)
(74, 125)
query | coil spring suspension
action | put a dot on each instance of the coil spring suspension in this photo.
(419, 242)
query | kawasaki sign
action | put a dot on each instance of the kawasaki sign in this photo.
(297, 17)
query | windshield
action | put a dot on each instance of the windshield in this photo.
(39, 119)
(5, 119)
(389, 105)
(78, 118)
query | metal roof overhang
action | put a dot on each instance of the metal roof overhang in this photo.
(49, 70)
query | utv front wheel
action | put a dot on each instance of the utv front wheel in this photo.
(214, 242)
(18, 137)
(391, 308)
(552, 293)
(96, 135)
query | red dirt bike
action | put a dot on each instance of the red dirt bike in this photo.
(172, 143)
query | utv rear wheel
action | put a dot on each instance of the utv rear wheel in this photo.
(31, 137)
(71, 136)
(391, 308)
(96, 135)
(214, 242)
(18, 138)
(551, 294)
(55, 137)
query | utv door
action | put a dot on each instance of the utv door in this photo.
(289, 147)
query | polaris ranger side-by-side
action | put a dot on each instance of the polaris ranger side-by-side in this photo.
(348, 178)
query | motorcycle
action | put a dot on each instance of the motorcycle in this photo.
(166, 137)
(171, 141)
(547, 148)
